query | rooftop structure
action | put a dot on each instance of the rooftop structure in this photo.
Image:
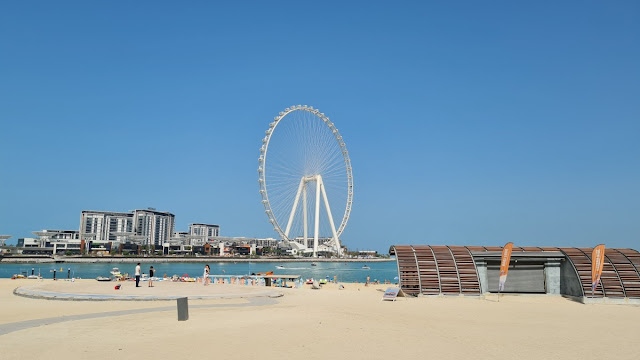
(4, 238)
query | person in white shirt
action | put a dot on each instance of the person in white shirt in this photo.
(205, 276)
(138, 275)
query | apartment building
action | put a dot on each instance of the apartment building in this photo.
(201, 233)
(105, 226)
(144, 226)
(157, 227)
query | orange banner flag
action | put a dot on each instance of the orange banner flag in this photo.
(597, 262)
(504, 265)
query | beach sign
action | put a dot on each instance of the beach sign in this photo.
(597, 262)
(504, 265)
(392, 293)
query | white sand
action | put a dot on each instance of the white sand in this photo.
(322, 324)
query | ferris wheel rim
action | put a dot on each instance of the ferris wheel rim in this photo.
(262, 166)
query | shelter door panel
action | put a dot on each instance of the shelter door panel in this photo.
(522, 278)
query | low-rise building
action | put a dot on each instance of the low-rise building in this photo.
(50, 242)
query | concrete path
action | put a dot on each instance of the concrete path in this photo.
(88, 290)
(22, 325)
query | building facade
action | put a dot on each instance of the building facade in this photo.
(157, 227)
(202, 233)
(146, 227)
(51, 242)
(105, 226)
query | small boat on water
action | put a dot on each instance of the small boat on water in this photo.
(366, 267)
(115, 272)
(279, 267)
(314, 264)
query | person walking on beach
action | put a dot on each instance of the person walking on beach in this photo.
(205, 276)
(151, 276)
(138, 275)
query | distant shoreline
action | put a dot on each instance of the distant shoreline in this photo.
(112, 259)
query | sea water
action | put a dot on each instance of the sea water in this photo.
(343, 271)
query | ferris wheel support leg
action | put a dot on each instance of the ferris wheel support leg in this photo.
(333, 226)
(293, 209)
(304, 210)
(317, 222)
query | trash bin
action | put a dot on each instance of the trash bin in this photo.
(183, 309)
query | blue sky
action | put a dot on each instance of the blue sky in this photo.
(472, 123)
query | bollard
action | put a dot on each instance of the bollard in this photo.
(54, 274)
(32, 271)
(183, 309)
(68, 273)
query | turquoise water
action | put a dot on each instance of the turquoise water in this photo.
(345, 272)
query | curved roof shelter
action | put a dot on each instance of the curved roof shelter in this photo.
(472, 270)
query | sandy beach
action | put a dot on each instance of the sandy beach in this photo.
(303, 323)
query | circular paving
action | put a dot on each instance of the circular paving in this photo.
(93, 290)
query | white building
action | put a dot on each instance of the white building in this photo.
(156, 226)
(143, 226)
(51, 242)
(200, 234)
(105, 226)
(28, 242)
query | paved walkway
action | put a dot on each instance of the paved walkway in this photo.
(22, 325)
(88, 290)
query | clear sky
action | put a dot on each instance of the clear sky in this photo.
(472, 123)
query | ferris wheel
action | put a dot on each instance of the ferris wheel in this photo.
(305, 178)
